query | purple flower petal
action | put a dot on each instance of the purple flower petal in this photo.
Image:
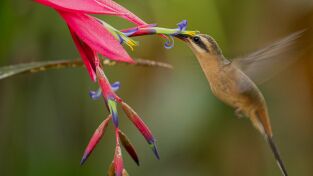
(95, 95)
(182, 26)
(169, 44)
(115, 86)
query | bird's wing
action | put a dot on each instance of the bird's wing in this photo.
(266, 62)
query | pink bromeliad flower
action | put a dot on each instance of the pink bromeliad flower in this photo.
(92, 37)
(89, 34)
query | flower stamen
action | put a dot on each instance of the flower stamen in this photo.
(123, 38)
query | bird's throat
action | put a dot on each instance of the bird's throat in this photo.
(210, 65)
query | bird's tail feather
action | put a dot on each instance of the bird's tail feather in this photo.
(275, 151)
(261, 121)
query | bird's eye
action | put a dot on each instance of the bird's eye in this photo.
(196, 39)
(198, 42)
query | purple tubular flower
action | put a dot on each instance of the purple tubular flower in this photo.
(145, 31)
(140, 30)
(168, 34)
(116, 86)
(182, 26)
(142, 127)
(96, 95)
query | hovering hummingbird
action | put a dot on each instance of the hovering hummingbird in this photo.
(230, 82)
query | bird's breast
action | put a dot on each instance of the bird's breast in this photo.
(234, 88)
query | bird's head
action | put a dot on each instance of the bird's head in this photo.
(202, 45)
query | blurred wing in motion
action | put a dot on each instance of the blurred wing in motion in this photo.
(35, 67)
(261, 65)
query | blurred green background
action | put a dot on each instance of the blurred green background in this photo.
(46, 119)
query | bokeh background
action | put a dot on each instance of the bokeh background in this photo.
(46, 119)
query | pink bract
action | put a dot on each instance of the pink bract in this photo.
(107, 7)
(91, 32)
(90, 36)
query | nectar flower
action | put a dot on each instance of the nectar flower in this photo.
(153, 29)
(106, 7)
(112, 100)
(90, 36)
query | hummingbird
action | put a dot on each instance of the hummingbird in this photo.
(230, 82)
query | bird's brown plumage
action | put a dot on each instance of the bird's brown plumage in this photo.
(232, 86)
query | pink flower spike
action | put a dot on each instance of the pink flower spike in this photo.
(95, 139)
(111, 171)
(118, 160)
(84, 6)
(142, 127)
(107, 7)
(126, 13)
(91, 32)
(87, 54)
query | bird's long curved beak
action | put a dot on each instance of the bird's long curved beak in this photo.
(182, 37)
